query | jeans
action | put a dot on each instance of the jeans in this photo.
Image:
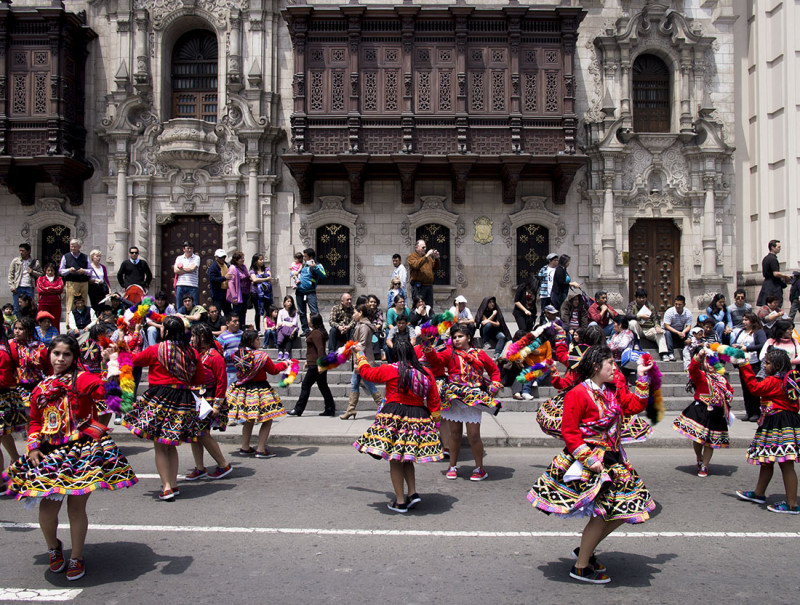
(490, 332)
(22, 290)
(302, 299)
(153, 336)
(356, 380)
(672, 340)
(335, 337)
(182, 291)
(270, 336)
(418, 290)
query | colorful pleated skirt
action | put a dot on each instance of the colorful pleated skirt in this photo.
(704, 426)
(404, 433)
(253, 402)
(73, 469)
(616, 494)
(165, 415)
(464, 402)
(777, 439)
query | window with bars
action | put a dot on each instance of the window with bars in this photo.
(533, 243)
(437, 237)
(333, 252)
(194, 76)
(651, 95)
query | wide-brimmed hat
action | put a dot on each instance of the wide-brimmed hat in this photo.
(460, 299)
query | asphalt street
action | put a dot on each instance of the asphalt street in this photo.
(311, 526)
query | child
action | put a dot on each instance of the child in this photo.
(9, 319)
(705, 420)
(30, 357)
(271, 327)
(294, 269)
(777, 438)
(69, 454)
(45, 331)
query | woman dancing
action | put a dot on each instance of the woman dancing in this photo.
(252, 400)
(216, 385)
(592, 476)
(464, 396)
(705, 420)
(69, 454)
(166, 412)
(777, 437)
(404, 431)
(12, 411)
(30, 357)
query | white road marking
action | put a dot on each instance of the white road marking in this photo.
(416, 532)
(38, 594)
(156, 476)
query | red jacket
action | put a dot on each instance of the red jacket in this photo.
(88, 389)
(216, 375)
(49, 292)
(702, 384)
(388, 375)
(588, 420)
(458, 365)
(159, 375)
(773, 397)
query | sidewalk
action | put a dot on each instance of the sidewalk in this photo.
(507, 429)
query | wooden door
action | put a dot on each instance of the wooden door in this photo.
(205, 234)
(655, 261)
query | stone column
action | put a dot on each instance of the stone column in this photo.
(608, 260)
(252, 219)
(709, 229)
(121, 216)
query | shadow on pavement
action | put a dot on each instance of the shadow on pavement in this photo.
(110, 562)
(626, 569)
(190, 491)
(725, 470)
(432, 504)
(133, 450)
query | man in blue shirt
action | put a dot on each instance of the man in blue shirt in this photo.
(229, 341)
(307, 280)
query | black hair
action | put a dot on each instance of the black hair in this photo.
(361, 300)
(48, 265)
(591, 361)
(564, 259)
(518, 334)
(599, 293)
(230, 317)
(3, 337)
(640, 293)
(74, 348)
(26, 246)
(780, 327)
(718, 297)
(591, 335)
(772, 243)
(249, 338)
(622, 321)
(771, 299)
(739, 291)
(174, 330)
(395, 255)
(161, 294)
(203, 332)
(310, 253)
(779, 359)
(461, 329)
(316, 323)
(293, 309)
(96, 330)
(404, 352)
(680, 297)
(254, 260)
(28, 325)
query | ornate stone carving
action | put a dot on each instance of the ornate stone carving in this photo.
(165, 219)
(483, 230)
(187, 143)
(305, 235)
(361, 279)
(361, 232)
(163, 12)
(505, 280)
(461, 231)
(405, 228)
(595, 112)
(461, 278)
(217, 218)
(505, 231)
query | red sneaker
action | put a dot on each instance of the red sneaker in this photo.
(56, 555)
(76, 569)
(196, 474)
(222, 471)
(479, 474)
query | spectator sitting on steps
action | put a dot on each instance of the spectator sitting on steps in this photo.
(646, 323)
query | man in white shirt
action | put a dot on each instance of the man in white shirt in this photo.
(461, 314)
(187, 268)
(399, 271)
(677, 323)
(546, 274)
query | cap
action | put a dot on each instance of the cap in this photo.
(220, 253)
(551, 256)
(460, 299)
(44, 315)
(550, 309)
(703, 318)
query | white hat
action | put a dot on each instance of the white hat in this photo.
(460, 299)
(220, 253)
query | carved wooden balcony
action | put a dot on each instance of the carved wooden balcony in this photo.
(42, 87)
(420, 92)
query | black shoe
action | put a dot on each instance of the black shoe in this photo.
(328, 413)
(398, 508)
(294, 412)
(754, 418)
(304, 334)
(413, 500)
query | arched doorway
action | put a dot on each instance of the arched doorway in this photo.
(654, 261)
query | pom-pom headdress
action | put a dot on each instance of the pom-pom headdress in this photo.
(290, 374)
(336, 358)
(436, 325)
(655, 404)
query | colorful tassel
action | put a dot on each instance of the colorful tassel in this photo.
(436, 325)
(655, 403)
(336, 358)
(290, 374)
(725, 352)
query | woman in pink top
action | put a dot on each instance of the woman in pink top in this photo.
(238, 286)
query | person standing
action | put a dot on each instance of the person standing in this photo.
(525, 305)
(422, 264)
(217, 282)
(309, 275)
(99, 284)
(238, 291)
(22, 274)
(399, 272)
(74, 269)
(546, 275)
(261, 288)
(774, 280)
(315, 348)
(677, 323)
(187, 269)
(134, 271)
(49, 288)
(750, 339)
(562, 282)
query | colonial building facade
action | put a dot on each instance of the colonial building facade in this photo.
(497, 132)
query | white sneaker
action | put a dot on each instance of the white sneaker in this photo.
(527, 396)
(672, 357)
